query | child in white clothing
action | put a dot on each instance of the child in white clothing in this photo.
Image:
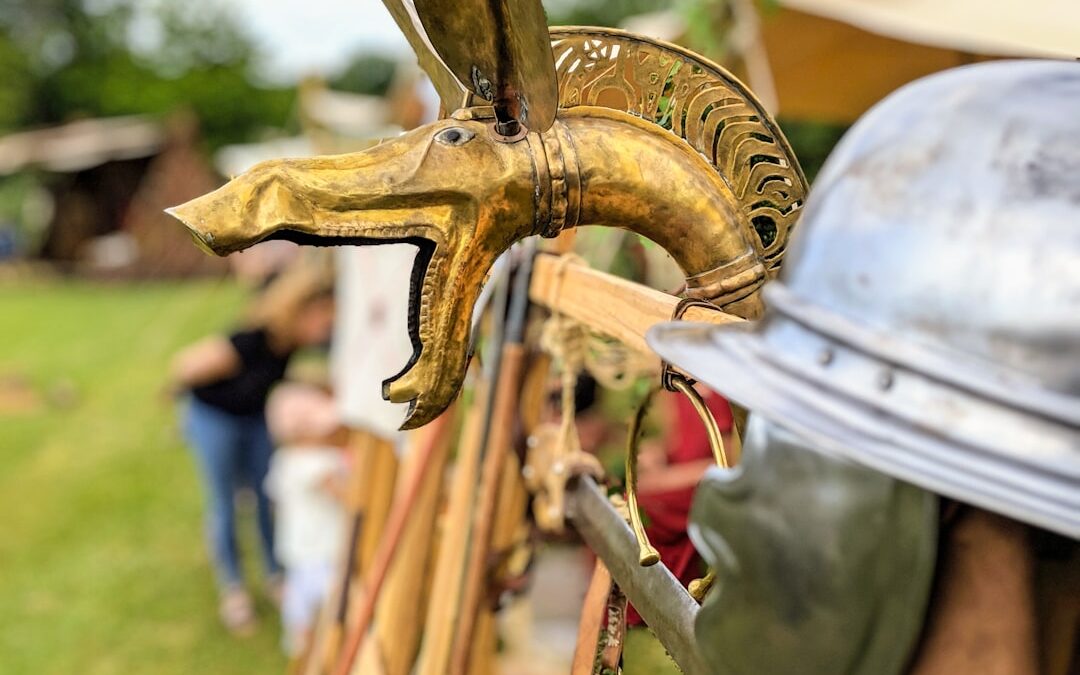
(304, 481)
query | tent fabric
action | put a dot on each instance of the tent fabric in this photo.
(1046, 28)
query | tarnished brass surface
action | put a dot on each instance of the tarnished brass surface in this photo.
(716, 440)
(499, 50)
(463, 194)
(704, 105)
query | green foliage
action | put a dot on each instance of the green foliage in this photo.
(812, 142)
(103, 567)
(229, 108)
(367, 73)
(708, 26)
(598, 12)
(114, 57)
(16, 85)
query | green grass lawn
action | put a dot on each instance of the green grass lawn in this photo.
(103, 567)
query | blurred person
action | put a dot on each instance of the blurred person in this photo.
(227, 379)
(306, 483)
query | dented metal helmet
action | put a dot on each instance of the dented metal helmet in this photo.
(927, 321)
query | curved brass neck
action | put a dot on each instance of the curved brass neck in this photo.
(635, 175)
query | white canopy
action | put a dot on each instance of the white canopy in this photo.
(990, 27)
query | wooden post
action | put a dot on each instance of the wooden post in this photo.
(387, 550)
(444, 606)
(400, 611)
(484, 516)
(380, 464)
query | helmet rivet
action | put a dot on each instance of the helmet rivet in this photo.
(885, 380)
(825, 356)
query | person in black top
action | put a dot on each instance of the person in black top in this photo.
(228, 379)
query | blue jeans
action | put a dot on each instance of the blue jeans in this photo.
(232, 451)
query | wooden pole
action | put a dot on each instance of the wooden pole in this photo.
(381, 465)
(332, 620)
(446, 589)
(499, 446)
(607, 304)
(388, 547)
(400, 609)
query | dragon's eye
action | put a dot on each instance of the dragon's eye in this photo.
(454, 136)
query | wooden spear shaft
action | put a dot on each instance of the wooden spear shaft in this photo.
(388, 546)
(499, 443)
(498, 446)
(444, 610)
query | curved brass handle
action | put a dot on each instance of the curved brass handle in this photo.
(647, 554)
(716, 441)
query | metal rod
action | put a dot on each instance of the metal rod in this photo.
(654, 591)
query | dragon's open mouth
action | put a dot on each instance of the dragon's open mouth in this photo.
(425, 251)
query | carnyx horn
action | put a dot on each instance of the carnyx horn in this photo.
(464, 194)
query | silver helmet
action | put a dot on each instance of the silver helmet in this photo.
(927, 321)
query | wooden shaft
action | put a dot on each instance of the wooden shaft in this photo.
(499, 442)
(444, 604)
(382, 464)
(593, 623)
(607, 304)
(400, 611)
(327, 642)
(388, 548)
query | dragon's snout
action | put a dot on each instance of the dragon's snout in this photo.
(410, 189)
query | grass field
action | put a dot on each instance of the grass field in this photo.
(102, 564)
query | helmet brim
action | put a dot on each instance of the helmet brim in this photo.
(1037, 485)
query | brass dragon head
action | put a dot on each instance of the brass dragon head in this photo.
(463, 193)
(461, 196)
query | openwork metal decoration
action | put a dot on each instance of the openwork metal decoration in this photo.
(687, 159)
(700, 103)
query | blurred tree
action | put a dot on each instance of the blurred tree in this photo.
(114, 57)
(367, 73)
(598, 12)
(16, 85)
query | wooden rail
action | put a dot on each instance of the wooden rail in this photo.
(607, 304)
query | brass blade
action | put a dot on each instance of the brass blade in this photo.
(451, 91)
(500, 51)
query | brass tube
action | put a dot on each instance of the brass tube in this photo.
(647, 553)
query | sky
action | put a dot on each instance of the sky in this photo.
(306, 36)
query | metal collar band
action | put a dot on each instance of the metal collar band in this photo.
(558, 180)
(728, 283)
